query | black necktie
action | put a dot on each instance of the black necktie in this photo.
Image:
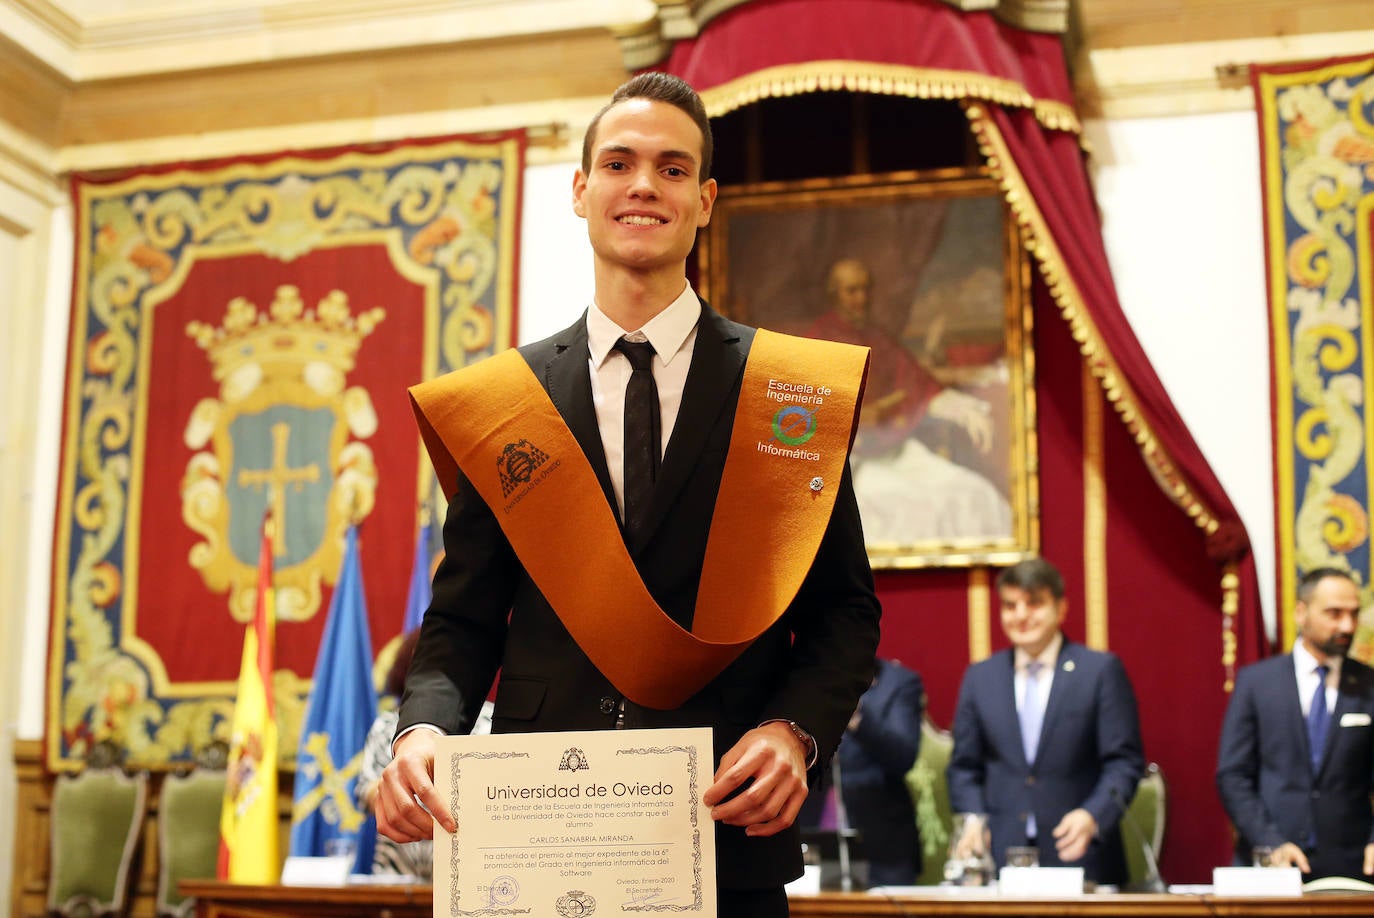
(642, 427)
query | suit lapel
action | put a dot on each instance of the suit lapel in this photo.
(1004, 686)
(1065, 673)
(1346, 693)
(1297, 724)
(717, 361)
(570, 388)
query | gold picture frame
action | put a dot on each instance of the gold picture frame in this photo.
(927, 269)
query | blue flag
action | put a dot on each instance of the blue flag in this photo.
(342, 706)
(417, 601)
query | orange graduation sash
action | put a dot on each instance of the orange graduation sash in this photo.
(794, 424)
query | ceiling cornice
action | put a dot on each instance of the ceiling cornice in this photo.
(137, 44)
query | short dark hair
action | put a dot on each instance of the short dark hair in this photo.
(1033, 575)
(1309, 580)
(657, 87)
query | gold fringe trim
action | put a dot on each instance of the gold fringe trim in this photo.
(884, 79)
(1230, 604)
(1040, 243)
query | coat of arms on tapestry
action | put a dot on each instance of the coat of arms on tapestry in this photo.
(242, 337)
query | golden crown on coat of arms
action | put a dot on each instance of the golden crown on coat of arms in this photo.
(286, 340)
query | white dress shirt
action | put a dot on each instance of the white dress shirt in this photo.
(1043, 680)
(1305, 667)
(673, 333)
(1049, 657)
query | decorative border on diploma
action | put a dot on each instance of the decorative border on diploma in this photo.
(454, 894)
(696, 903)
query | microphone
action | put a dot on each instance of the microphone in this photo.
(1153, 882)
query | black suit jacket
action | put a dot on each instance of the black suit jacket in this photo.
(810, 667)
(1264, 767)
(1089, 755)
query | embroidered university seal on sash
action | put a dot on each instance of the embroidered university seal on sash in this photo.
(794, 423)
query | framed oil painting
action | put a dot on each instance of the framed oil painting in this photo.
(927, 269)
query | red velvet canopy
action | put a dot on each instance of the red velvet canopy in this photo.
(1174, 594)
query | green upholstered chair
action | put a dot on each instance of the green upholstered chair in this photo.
(930, 796)
(187, 835)
(1148, 810)
(96, 820)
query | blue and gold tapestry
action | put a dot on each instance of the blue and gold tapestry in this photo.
(242, 337)
(1317, 162)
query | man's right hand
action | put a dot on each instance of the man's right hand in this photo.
(1290, 855)
(973, 840)
(407, 783)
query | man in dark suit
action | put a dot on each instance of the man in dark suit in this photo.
(779, 708)
(1295, 769)
(879, 748)
(1046, 736)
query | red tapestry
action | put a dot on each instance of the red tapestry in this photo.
(243, 335)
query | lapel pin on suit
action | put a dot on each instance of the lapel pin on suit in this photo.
(1068, 666)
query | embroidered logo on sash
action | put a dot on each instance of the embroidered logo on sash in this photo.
(517, 463)
(794, 425)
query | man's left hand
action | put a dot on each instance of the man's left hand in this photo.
(1074, 833)
(773, 757)
(1368, 859)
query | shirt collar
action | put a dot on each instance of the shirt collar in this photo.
(1306, 664)
(1048, 657)
(667, 331)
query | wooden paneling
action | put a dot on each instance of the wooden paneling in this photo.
(217, 900)
(31, 95)
(32, 805)
(472, 75)
(1127, 23)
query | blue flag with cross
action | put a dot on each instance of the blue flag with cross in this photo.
(342, 706)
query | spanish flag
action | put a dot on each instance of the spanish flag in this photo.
(248, 818)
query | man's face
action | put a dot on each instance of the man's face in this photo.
(1326, 621)
(849, 286)
(642, 197)
(1031, 619)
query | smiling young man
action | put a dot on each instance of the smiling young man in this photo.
(1046, 735)
(1295, 769)
(661, 409)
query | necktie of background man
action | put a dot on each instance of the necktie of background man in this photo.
(1318, 718)
(1032, 717)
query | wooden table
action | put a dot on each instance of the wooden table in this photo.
(228, 900)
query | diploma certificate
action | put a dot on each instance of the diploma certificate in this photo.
(567, 825)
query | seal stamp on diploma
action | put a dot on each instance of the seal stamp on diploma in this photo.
(504, 891)
(576, 904)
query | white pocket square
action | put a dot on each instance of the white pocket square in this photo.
(1354, 720)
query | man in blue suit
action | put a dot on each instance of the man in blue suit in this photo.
(1046, 736)
(1295, 768)
(879, 747)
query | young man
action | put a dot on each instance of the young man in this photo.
(1046, 735)
(780, 700)
(1295, 769)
